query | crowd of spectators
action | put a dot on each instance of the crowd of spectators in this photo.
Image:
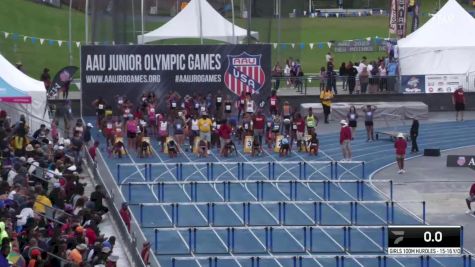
(46, 218)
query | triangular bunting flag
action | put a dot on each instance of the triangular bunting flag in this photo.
(60, 42)
(293, 45)
(311, 45)
(42, 41)
(284, 46)
(320, 45)
(78, 44)
(329, 44)
(326, 15)
(113, 42)
(33, 40)
(50, 42)
(302, 45)
(24, 38)
(368, 38)
(6, 34)
(96, 43)
(337, 15)
(275, 45)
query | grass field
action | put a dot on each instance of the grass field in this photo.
(27, 18)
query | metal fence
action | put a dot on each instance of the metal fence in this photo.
(314, 84)
(134, 239)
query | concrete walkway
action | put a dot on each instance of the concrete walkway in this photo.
(444, 190)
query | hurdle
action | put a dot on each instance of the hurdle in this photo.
(341, 164)
(282, 208)
(236, 170)
(339, 260)
(306, 237)
(194, 187)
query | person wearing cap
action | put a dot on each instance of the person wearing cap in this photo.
(326, 99)
(458, 100)
(345, 140)
(76, 254)
(400, 145)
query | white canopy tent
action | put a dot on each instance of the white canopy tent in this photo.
(35, 112)
(197, 20)
(443, 45)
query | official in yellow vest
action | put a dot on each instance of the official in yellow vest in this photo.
(326, 99)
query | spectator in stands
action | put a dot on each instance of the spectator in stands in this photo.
(345, 140)
(470, 199)
(42, 202)
(328, 57)
(46, 78)
(364, 79)
(414, 133)
(400, 146)
(68, 118)
(97, 197)
(392, 69)
(125, 215)
(343, 75)
(277, 74)
(458, 100)
(5, 250)
(326, 99)
(351, 72)
(323, 78)
(40, 132)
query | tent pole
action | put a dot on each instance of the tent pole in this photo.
(142, 30)
(234, 25)
(86, 22)
(201, 21)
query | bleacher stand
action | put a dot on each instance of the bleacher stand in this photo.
(45, 217)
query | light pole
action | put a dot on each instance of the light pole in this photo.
(70, 34)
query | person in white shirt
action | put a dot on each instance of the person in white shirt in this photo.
(329, 57)
(26, 213)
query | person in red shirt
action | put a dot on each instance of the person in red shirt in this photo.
(93, 150)
(273, 103)
(458, 99)
(470, 199)
(400, 146)
(125, 215)
(224, 133)
(259, 123)
(345, 140)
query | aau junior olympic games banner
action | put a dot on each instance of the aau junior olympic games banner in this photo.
(130, 70)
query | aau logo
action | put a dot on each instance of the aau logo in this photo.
(244, 74)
